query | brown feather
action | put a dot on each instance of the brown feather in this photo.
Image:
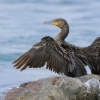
(60, 56)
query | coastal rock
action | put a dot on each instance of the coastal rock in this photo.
(57, 88)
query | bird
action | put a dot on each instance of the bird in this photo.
(92, 53)
(60, 56)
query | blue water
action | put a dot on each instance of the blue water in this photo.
(21, 26)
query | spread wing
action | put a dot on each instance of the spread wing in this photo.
(47, 51)
(96, 46)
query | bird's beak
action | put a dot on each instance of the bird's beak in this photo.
(51, 22)
(47, 22)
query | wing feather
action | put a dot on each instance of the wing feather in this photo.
(47, 50)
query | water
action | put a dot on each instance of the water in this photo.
(21, 26)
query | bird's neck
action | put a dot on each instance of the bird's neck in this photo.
(63, 34)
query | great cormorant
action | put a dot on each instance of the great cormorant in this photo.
(60, 56)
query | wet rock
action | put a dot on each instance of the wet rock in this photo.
(57, 88)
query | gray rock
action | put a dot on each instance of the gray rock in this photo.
(72, 88)
(57, 88)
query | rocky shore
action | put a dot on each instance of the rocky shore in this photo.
(57, 88)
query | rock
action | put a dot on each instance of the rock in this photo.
(57, 88)
(72, 88)
(92, 83)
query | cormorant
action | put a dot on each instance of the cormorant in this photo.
(60, 56)
(92, 53)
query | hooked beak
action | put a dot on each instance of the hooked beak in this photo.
(48, 22)
(52, 22)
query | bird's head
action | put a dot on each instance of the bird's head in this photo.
(60, 22)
